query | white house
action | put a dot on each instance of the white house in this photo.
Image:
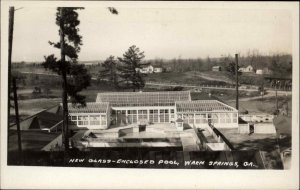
(216, 68)
(158, 70)
(259, 72)
(146, 70)
(263, 71)
(150, 69)
(248, 69)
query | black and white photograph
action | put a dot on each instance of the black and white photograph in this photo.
(150, 86)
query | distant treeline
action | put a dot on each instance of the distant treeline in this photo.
(279, 64)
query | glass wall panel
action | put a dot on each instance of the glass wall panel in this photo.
(83, 120)
(103, 120)
(222, 118)
(214, 118)
(185, 118)
(95, 119)
(197, 118)
(234, 117)
(203, 118)
(191, 118)
(228, 117)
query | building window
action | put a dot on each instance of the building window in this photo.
(94, 119)
(197, 118)
(132, 116)
(142, 114)
(228, 117)
(153, 116)
(203, 118)
(103, 120)
(214, 118)
(172, 114)
(73, 120)
(191, 118)
(200, 118)
(222, 118)
(185, 118)
(234, 118)
(83, 120)
(167, 116)
(161, 116)
(164, 116)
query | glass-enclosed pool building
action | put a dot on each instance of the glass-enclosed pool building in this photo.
(125, 108)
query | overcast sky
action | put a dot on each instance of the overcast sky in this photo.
(161, 33)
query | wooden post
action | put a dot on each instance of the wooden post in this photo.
(262, 90)
(287, 108)
(10, 41)
(276, 96)
(237, 82)
(17, 116)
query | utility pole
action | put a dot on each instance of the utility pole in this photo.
(237, 81)
(287, 108)
(276, 95)
(10, 41)
(262, 92)
(64, 82)
(17, 116)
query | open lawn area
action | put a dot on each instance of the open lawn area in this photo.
(267, 105)
(32, 106)
(265, 142)
(190, 78)
(230, 94)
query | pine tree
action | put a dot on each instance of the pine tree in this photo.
(110, 70)
(69, 45)
(131, 63)
(231, 70)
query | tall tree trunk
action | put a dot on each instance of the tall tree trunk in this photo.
(17, 117)
(64, 84)
(10, 41)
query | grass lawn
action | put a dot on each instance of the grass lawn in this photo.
(191, 78)
(268, 105)
(230, 94)
(265, 142)
(33, 106)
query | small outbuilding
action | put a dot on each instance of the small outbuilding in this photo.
(248, 69)
(216, 68)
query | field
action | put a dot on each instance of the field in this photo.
(268, 105)
(30, 103)
(190, 78)
(50, 95)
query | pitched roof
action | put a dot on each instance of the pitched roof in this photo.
(41, 120)
(91, 107)
(162, 98)
(203, 106)
(48, 120)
